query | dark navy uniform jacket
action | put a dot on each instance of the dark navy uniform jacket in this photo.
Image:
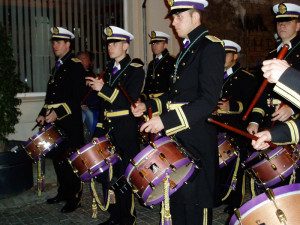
(65, 91)
(158, 76)
(116, 113)
(240, 87)
(193, 96)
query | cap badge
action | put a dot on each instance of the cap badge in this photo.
(153, 34)
(109, 31)
(282, 8)
(55, 30)
(171, 2)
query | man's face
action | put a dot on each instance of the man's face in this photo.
(288, 30)
(60, 48)
(230, 60)
(183, 23)
(158, 47)
(85, 61)
(117, 50)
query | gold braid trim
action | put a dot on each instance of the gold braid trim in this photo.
(252, 188)
(293, 177)
(132, 208)
(233, 177)
(165, 210)
(102, 207)
(39, 166)
(259, 110)
(110, 99)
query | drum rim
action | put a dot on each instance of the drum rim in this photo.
(262, 199)
(38, 134)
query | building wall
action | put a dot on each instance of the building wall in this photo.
(247, 22)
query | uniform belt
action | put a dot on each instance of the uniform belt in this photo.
(117, 113)
(155, 95)
(273, 102)
(175, 105)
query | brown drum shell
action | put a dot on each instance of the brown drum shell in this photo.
(34, 149)
(226, 151)
(282, 161)
(172, 155)
(92, 157)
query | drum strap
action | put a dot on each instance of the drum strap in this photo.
(165, 205)
(233, 180)
(252, 188)
(109, 199)
(293, 177)
(132, 208)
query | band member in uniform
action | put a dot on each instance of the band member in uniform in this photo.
(286, 78)
(160, 68)
(268, 107)
(195, 89)
(62, 106)
(239, 88)
(115, 115)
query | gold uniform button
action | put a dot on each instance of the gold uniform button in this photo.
(162, 68)
(169, 89)
(177, 78)
(157, 82)
(158, 75)
(176, 91)
(53, 93)
(230, 84)
(183, 64)
(192, 51)
(267, 114)
(297, 56)
(226, 91)
(171, 76)
(235, 77)
(124, 74)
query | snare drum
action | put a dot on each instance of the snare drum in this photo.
(227, 150)
(262, 210)
(43, 142)
(149, 168)
(269, 167)
(94, 158)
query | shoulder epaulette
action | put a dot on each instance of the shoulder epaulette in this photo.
(213, 38)
(136, 62)
(76, 60)
(272, 51)
(245, 71)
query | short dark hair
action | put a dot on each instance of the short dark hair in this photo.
(197, 11)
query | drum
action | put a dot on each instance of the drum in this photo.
(94, 158)
(150, 167)
(227, 150)
(269, 167)
(263, 210)
(43, 142)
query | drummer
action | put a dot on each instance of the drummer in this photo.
(287, 80)
(62, 106)
(195, 88)
(160, 68)
(116, 117)
(239, 87)
(272, 107)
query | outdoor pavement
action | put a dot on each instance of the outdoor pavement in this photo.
(29, 208)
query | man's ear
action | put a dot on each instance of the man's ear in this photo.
(125, 46)
(298, 26)
(196, 17)
(68, 44)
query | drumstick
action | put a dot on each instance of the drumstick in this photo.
(130, 100)
(238, 131)
(91, 89)
(280, 56)
(150, 116)
(38, 123)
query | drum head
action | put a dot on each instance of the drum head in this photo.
(261, 210)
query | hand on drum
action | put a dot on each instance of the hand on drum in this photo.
(273, 69)
(40, 120)
(94, 83)
(224, 105)
(252, 128)
(282, 114)
(140, 107)
(153, 125)
(260, 143)
(50, 116)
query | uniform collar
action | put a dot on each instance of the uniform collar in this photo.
(196, 32)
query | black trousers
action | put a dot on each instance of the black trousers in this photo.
(70, 185)
(185, 214)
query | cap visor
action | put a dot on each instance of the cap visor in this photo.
(174, 11)
(284, 19)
